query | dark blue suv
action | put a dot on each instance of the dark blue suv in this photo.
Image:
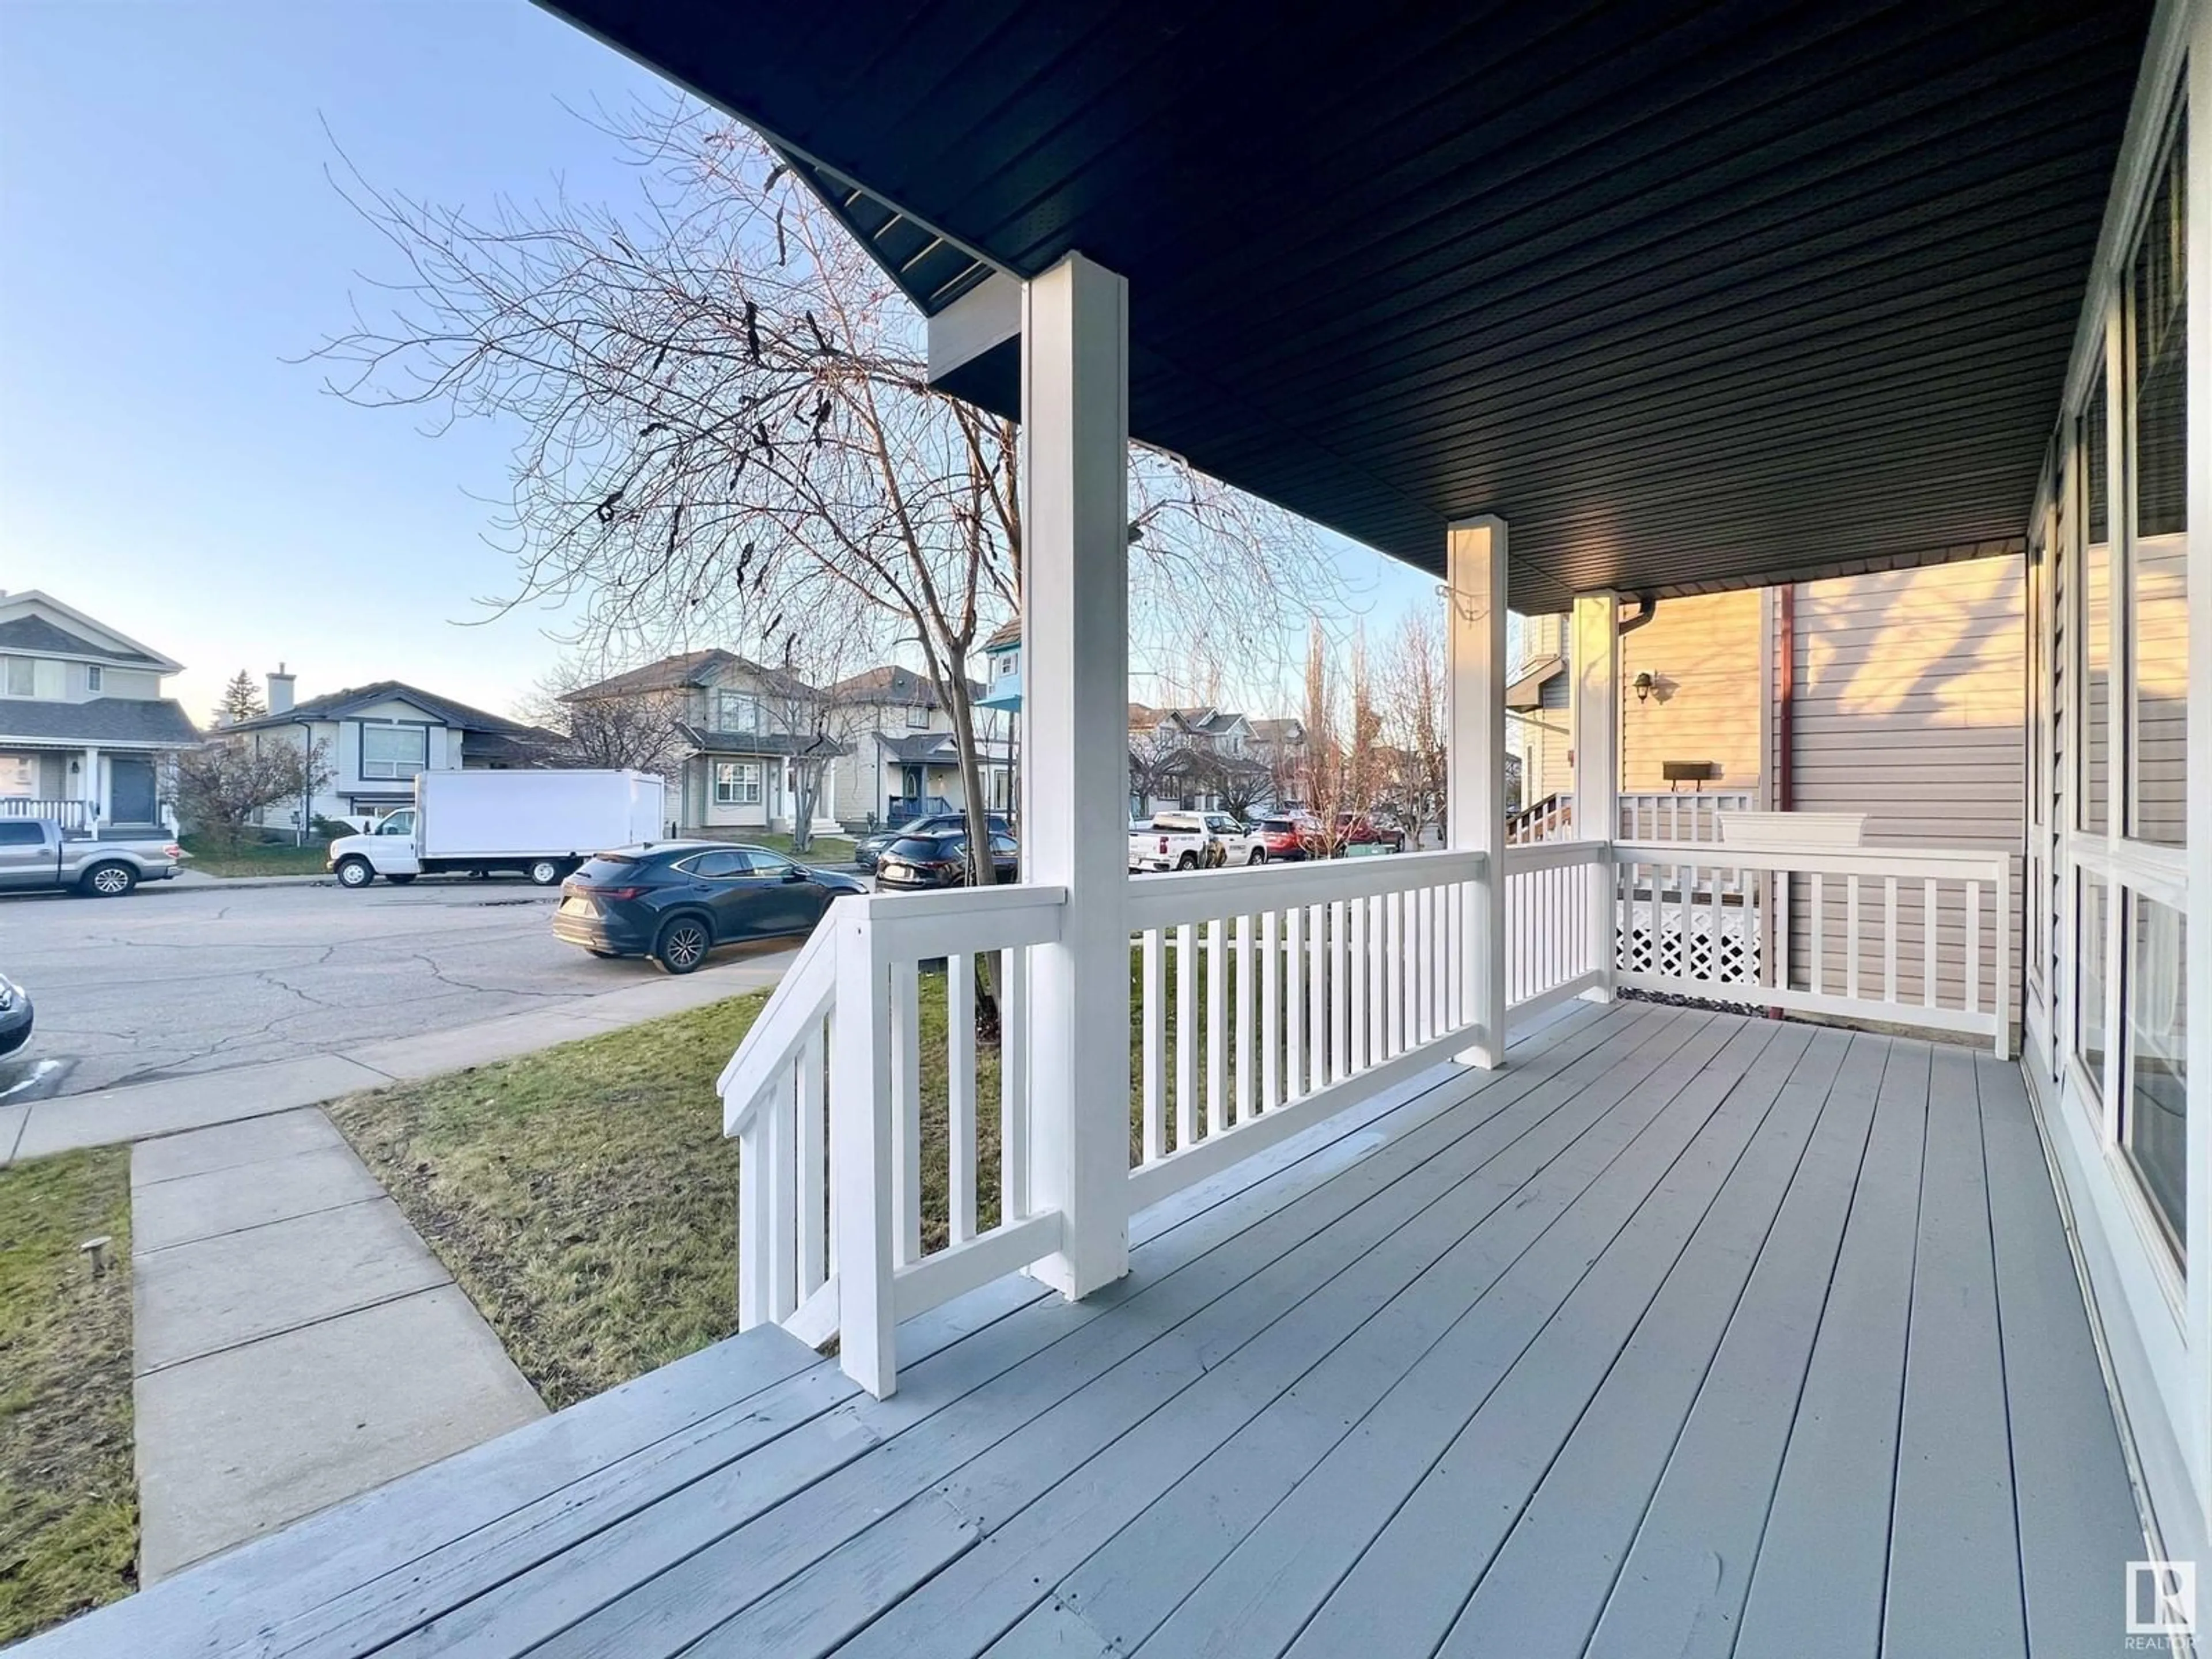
(676, 900)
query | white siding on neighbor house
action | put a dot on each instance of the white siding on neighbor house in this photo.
(1702, 655)
(1909, 706)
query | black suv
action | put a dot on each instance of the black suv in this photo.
(870, 848)
(676, 900)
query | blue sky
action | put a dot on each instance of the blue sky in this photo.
(169, 240)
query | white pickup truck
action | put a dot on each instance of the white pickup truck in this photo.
(35, 856)
(1175, 841)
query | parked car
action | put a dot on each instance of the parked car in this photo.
(869, 848)
(36, 856)
(1174, 841)
(1365, 830)
(676, 900)
(1241, 842)
(15, 1016)
(1282, 838)
(914, 862)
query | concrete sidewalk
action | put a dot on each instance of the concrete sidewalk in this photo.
(175, 1105)
(294, 1342)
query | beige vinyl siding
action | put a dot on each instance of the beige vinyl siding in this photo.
(1909, 706)
(1702, 654)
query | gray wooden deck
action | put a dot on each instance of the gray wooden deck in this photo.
(1685, 1334)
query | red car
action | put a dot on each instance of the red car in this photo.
(1359, 830)
(1284, 838)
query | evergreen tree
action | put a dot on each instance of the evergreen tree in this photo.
(240, 700)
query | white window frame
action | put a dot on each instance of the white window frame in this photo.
(390, 768)
(736, 783)
(8, 677)
(93, 676)
(737, 711)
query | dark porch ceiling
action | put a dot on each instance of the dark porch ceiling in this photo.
(1692, 295)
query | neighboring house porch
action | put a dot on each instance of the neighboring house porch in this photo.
(87, 735)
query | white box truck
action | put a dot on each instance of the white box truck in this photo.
(539, 825)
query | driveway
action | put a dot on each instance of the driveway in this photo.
(168, 984)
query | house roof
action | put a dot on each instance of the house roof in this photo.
(529, 745)
(80, 637)
(894, 685)
(1279, 731)
(123, 722)
(681, 672)
(1005, 636)
(36, 633)
(1695, 298)
(774, 745)
(1526, 690)
(936, 748)
(336, 705)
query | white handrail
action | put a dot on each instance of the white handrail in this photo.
(800, 1000)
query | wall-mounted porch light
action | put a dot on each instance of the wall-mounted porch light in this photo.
(1646, 683)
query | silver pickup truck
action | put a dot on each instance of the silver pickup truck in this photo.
(35, 856)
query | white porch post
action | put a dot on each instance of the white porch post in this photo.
(1475, 791)
(1075, 632)
(1596, 723)
(91, 791)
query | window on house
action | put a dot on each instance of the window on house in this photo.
(18, 677)
(737, 711)
(2156, 661)
(917, 715)
(2090, 983)
(2155, 1116)
(736, 783)
(394, 751)
(93, 678)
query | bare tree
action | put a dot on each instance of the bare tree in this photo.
(724, 423)
(1236, 783)
(1160, 758)
(223, 787)
(801, 697)
(1415, 716)
(620, 730)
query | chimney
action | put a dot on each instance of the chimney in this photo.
(280, 691)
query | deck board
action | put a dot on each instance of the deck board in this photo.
(1681, 1590)
(1818, 1583)
(1684, 1333)
(1953, 1551)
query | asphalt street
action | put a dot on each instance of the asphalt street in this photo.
(168, 984)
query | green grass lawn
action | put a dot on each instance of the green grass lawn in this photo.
(69, 1501)
(585, 1196)
(255, 858)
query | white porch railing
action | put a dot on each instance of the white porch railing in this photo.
(885, 1148)
(74, 816)
(864, 1193)
(1556, 921)
(1268, 999)
(1645, 815)
(1919, 938)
